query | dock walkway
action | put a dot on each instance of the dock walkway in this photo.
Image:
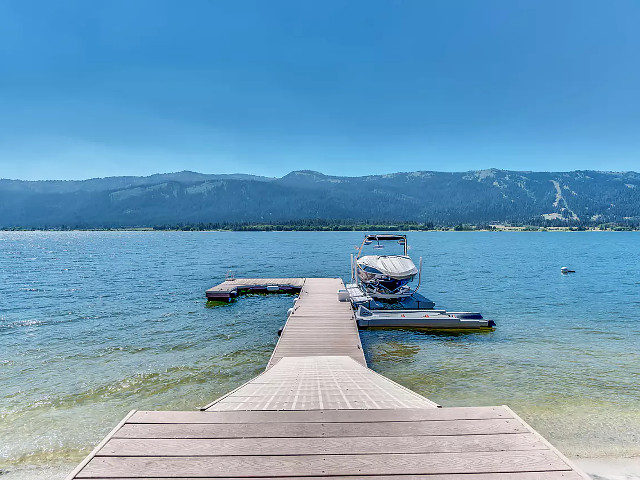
(320, 325)
(317, 411)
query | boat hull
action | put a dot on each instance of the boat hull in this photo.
(385, 274)
(384, 281)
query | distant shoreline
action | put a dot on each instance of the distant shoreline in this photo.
(489, 199)
(334, 228)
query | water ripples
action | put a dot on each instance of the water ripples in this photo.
(93, 324)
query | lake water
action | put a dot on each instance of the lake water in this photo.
(94, 324)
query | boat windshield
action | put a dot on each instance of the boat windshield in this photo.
(383, 245)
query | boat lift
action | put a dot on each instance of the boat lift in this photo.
(404, 309)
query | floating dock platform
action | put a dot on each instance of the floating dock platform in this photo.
(318, 412)
(414, 311)
(228, 290)
(359, 297)
(420, 319)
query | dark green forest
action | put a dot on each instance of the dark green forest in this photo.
(311, 200)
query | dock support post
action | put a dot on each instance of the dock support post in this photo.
(351, 268)
(419, 277)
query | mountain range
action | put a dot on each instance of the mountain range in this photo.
(440, 198)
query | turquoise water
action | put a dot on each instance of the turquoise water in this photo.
(95, 324)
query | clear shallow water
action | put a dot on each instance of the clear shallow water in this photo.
(94, 324)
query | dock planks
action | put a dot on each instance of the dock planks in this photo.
(317, 411)
(320, 325)
(464, 441)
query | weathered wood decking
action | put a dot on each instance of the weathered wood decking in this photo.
(454, 443)
(320, 325)
(317, 412)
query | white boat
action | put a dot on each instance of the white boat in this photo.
(381, 297)
(385, 276)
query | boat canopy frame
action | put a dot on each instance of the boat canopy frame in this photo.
(384, 237)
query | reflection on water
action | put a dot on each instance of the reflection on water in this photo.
(93, 325)
(434, 332)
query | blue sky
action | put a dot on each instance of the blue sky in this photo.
(106, 88)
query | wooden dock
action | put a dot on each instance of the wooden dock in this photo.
(317, 412)
(320, 325)
(231, 288)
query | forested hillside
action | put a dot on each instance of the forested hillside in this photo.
(440, 198)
